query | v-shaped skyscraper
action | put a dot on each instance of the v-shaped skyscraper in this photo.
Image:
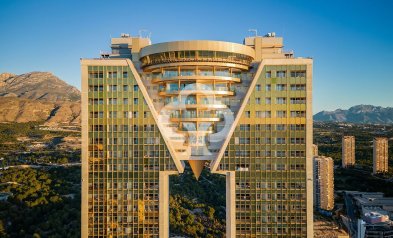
(240, 110)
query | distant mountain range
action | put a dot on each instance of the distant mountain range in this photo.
(38, 96)
(366, 114)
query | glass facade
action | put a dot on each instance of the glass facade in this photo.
(126, 153)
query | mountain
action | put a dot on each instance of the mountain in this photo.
(38, 96)
(358, 114)
(37, 86)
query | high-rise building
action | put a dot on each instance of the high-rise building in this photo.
(323, 183)
(314, 150)
(242, 110)
(348, 151)
(380, 155)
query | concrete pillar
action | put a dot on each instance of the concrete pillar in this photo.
(164, 203)
(230, 204)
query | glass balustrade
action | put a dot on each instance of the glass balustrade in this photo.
(174, 73)
(187, 72)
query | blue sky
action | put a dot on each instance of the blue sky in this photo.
(351, 41)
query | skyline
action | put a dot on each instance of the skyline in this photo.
(69, 30)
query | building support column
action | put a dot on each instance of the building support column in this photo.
(164, 203)
(230, 205)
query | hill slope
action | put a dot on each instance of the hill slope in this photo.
(37, 86)
(38, 96)
(358, 114)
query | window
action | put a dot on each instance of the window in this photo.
(280, 127)
(298, 127)
(96, 88)
(268, 87)
(299, 73)
(136, 100)
(125, 101)
(281, 87)
(268, 101)
(125, 128)
(298, 113)
(96, 74)
(146, 114)
(244, 140)
(280, 153)
(258, 87)
(99, 101)
(135, 114)
(247, 114)
(297, 153)
(281, 114)
(126, 114)
(112, 101)
(257, 141)
(280, 140)
(96, 114)
(136, 88)
(298, 100)
(112, 88)
(268, 74)
(298, 141)
(112, 114)
(245, 127)
(281, 74)
(257, 100)
(298, 87)
(112, 75)
(281, 100)
(125, 88)
(263, 114)
(125, 74)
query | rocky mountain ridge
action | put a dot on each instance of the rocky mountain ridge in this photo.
(38, 96)
(37, 86)
(363, 114)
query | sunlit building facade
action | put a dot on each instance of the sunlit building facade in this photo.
(323, 183)
(240, 110)
(348, 151)
(380, 155)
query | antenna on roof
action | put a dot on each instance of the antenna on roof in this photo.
(143, 33)
(253, 30)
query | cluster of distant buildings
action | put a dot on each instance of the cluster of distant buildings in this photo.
(324, 168)
(380, 153)
(368, 214)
